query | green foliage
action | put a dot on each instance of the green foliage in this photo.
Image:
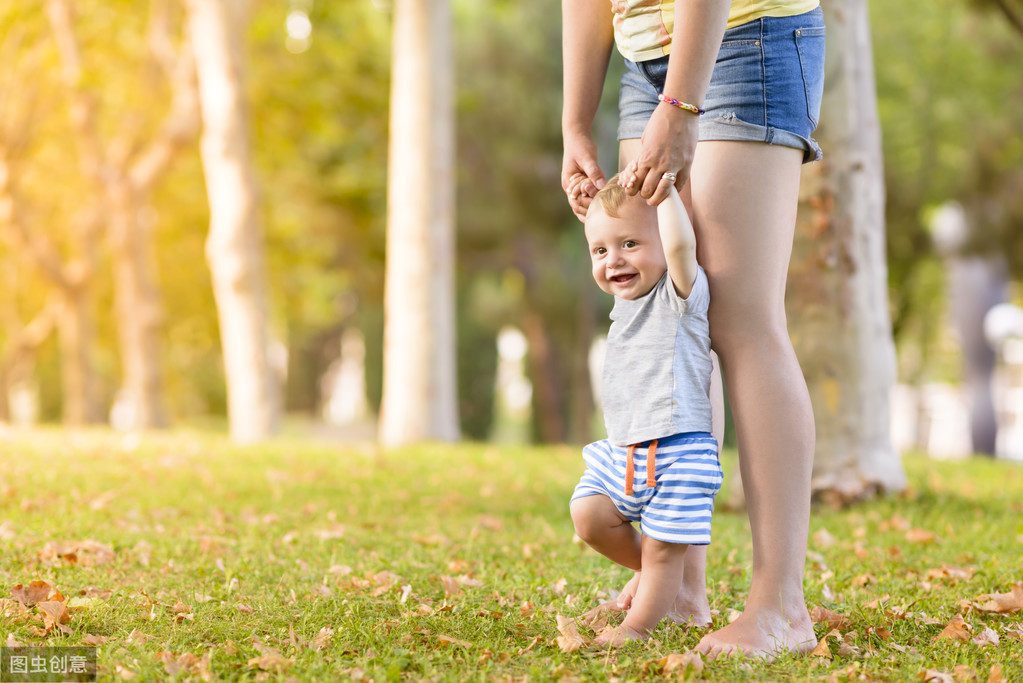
(950, 102)
(450, 563)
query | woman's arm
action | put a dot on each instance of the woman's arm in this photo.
(669, 140)
(587, 39)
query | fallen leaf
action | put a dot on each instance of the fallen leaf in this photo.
(921, 536)
(823, 539)
(936, 676)
(1001, 603)
(323, 638)
(832, 620)
(451, 587)
(957, 629)
(681, 664)
(187, 664)
(532, 643)
(995, 675)
(271, 661)
(964, 673)
(823, 649)
(36, 591)
(55, 613)
(863, 580)
(94, 641)
(569, 640)
(242, 607)
(448, 640)
(11, 641)
(137, 636)
(986, 637)
(124, 673)
(950, 573)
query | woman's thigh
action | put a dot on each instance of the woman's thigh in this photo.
(744, 197)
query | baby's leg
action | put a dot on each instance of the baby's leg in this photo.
(691, 606)
(659, 584)
(599, 523)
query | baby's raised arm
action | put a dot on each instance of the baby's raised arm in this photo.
(679, 242)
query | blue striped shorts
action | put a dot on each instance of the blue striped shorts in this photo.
(678, 508)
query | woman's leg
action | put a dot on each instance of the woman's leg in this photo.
(744, 199)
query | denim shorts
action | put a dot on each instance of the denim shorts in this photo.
(766, 87)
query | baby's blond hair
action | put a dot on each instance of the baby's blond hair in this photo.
(610, 198)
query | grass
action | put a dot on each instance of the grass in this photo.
(304, 561)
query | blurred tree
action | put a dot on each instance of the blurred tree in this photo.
(323, 149)
(124, 171)
(419, 399)
(66, 260)
(235, 245)
(520, 248)
(837, 299)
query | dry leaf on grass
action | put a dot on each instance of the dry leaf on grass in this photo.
(823, 649)
(957, 629)
(87, 553)
(964, 673)
(448, 640)
(187, 664)
(950, 573)
(986, 637)
(94, 641)
(532, 643)
(124, 673)
(921, 536)
(36, 591)
(569, 640)
(323, 638)
(832, 620)
(995, 675)
(1001, 603)
(681, 664)
(935, 676)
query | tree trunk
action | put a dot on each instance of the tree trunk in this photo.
(78, 382)
(838, 302)
(137, 302)
(419, 394)
(234, 248)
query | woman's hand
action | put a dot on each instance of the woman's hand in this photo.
(668, 146)
(581, 176)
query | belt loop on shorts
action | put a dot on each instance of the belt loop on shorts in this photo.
(630, 467)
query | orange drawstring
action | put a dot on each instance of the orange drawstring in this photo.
(629, 470)
(630, 467)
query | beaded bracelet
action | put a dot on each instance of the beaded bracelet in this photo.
(681, 105)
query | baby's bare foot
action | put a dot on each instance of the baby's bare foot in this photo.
(690, 606)
(616, 636)
(762, 634)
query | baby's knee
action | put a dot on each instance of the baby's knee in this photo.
(588, 517)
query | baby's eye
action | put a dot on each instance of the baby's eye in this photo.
(629, 244)
(600, 251)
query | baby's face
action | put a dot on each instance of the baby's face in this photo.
(626, 252)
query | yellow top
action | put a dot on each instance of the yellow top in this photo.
(643, 27)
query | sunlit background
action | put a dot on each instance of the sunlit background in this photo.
(529, 321)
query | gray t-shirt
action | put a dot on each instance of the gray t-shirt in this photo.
(656, 379)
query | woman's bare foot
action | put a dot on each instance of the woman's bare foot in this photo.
(616, 636)
(690, 606)
(762, 634)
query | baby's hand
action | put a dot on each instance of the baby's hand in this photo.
(627, 178)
